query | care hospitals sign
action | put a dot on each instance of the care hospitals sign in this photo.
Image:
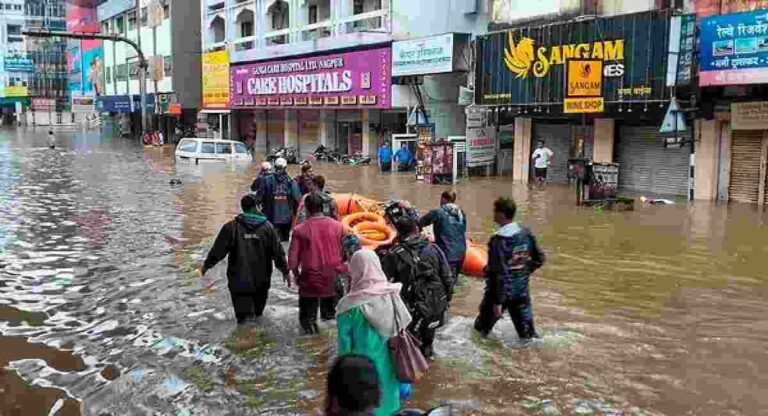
(432, 55)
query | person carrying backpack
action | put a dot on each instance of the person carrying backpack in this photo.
(422, 269)
(281, 198)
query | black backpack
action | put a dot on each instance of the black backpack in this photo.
(423, 291)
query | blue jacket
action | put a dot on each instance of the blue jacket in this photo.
(385, 154)
(513, 255)
(404, 156)
(281, 209)
(450, 227)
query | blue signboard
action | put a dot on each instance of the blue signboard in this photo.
(734, 49)
(113, 7)
(150, 102)
(18, 64)
(123, 103)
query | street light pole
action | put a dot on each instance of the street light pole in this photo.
(143, 65)
(142, 72)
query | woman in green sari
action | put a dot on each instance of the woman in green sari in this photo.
(366, 319)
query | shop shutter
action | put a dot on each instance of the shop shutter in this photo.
(647, 167)
(558, 138)
(745, 166)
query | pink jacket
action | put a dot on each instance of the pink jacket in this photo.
(315, 256)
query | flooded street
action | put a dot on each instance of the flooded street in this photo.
(659, 311)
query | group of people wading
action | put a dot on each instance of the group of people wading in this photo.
(372, 295)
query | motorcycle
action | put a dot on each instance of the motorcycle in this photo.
(356, 159)
(288, 153)
(325, 154)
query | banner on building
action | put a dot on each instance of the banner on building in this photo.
(734, 49)
(359, 79)
(430, 55)
(749, 116)
(216, 80)
(16, 91)
(583, 86)
(527, 65)
(83, 104)
(481, 146)
(682, 44)
(43, 104)
(156, 68)
(17, 63)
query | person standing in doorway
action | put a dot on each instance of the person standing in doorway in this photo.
(315, 260)
(542, 158)
(252, 245)
(281, 198)
(385, 158)
(403, 157)
(513, 255)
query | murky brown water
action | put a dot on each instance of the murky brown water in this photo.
(655, 311)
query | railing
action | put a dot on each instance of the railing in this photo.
(277, 37)
(316, 31)
(364, 22)
(245, 44)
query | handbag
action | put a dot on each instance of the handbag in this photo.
(409, 362)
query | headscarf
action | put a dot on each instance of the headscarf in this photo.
(380, 300)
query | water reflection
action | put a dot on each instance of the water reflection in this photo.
(656, 311)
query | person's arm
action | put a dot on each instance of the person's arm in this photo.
(294, 255)
(444, 271)
(278, 254)
(536, 155)
(335, 210)
(537, 255)
(220, 248)
(301, 212)
(428, 219)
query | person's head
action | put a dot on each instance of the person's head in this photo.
(306, 169)
(266, 167)
(447, 197)
(314, 203)
(350, 245)
(406, 227)
(319, 182)
(250, 203)
(540, 144)
(353, 386)
(365, 271)
(504, 210)
(404, 146)
(281, 164)
(385, 144)
(50, 131)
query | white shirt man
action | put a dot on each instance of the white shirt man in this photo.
(542, 158)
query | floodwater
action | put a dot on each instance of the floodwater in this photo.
(658, 311)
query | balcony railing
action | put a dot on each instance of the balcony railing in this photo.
(366, 22)
(317, 31)
(245, 44)
(277, 37)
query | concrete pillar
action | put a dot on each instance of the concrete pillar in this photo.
(323, 128)
(707, 134)
(724, 174)
(260, 147)
(291, 128)
(370, 139)
(521, 160)
(604, 140)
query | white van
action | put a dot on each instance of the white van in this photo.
(196, 150)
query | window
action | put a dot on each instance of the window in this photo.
(120, 25)
(246, 29)
(105, 27)
(313, 14)
(168, 66)
(17, 7)
(14, 30)
(144, 16)
(357, 7)
(8, 7)
(208, 147)
(108, 74)
(223, 148)
(189, 146)
(279, 15)
(132, 21)
(240, 148)
(166, 11)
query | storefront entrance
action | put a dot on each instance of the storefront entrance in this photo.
(645, 165)
(349, 139)
(558, 138)
(747, 166)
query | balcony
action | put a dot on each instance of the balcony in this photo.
(317, 31)
(277, 37)
(366, 22)
(244, 44)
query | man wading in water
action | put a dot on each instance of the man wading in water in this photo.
(252, 245)
(513, 256)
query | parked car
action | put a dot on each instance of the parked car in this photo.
(195, 150)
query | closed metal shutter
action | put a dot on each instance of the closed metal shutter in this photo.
(745, 166)
(646, 166)
(558, 138)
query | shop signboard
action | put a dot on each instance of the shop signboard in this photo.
(431, 55)
(43, 104)
(481, 146)
(18, 64)
(527, 65)
(216, 79)
(16, 91)
(734, 49)
(114, 104)
(583, 86)
(84, 104)
(749, 116)
(358, 79)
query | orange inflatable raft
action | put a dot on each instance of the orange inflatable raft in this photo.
(352, 203)
(372, 235)
(352, 220)
(475, 259)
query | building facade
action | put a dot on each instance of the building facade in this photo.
(315, 72)
(48, 84)
(15, 67)
(158, 27)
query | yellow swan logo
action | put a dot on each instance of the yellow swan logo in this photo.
(519, 58)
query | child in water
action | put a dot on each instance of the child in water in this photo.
(51, 140)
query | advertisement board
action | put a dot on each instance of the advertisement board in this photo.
(216, 79)
(85, 58)
(17, 91)
(749, 116)
(18, 64)
(359, 79)
(583, 86)
(734, 49)
(481, 146)
(43, 104)
(84, 104)
(431, 55)
(527, 65)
